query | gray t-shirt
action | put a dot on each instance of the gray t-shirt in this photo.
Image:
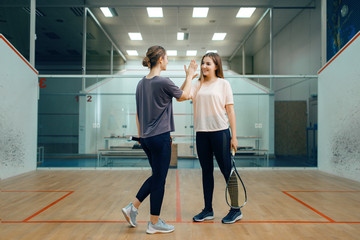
(154, 105)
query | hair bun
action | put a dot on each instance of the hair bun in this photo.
(146, 62)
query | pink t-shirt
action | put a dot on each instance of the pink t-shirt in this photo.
(209, 105)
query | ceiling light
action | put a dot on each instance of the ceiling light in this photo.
(171, 52)
(245, 12)
(132, 52)
(135, 36)
(219, 36)
(106, 11)
(191, 53)
(154, 12)
(200, 12)
(213, 51)
(180, 36)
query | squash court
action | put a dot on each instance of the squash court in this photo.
(286, 204)
(68, 79)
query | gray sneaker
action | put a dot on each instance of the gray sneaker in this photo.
(159, 227)
(130, 213)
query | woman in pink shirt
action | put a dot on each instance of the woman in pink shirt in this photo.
(213, 111)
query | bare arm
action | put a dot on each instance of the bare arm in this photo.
(232, 120)
(138, 124)
(186, 86)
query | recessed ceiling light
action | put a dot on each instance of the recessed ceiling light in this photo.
(106, 11)
(191, 53)
(245, 12)
(171, 52)
(214, 51)
(132, 52)
(219, 36)
(180, 36)
(199, 12)
(154, 12)
(135, 36)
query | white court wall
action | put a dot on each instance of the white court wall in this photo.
(339, 113)
(18, 112)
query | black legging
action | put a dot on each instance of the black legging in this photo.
(209, 144)
(158, 150)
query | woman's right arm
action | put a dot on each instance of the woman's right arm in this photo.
(186, 86)
(138, 125)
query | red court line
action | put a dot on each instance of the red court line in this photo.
(42, 210)
(178, 203)
(52, 204)
(308, 206)
(178, 211)
(341, 50)
(17, 52)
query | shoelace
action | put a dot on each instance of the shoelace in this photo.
(233, 212)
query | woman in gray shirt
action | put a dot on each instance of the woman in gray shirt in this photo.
(155, 121)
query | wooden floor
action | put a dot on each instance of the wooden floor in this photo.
(282, 204)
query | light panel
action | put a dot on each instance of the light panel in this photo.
(132, 52)
(245, 12)
(180, 36)
(200, 12)
(106, 11)
(219, 36)
(135, 36)
(171, 52)
(191, 53)
(155, 12)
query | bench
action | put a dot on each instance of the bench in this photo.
(118, 152)
(256, 152)
(131, 153)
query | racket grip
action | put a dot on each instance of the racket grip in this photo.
(132, 138)
(233, 151)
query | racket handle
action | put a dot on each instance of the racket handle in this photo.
(233, 151)
(132, 138)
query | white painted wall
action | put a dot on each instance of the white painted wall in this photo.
(339, 114)
(18, 113)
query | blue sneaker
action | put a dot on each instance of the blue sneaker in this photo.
(130, 213)
(204, 215)
(159, 227)
(233, 216)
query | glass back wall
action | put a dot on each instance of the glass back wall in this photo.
(81, 124)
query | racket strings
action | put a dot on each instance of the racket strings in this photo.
(233, 189)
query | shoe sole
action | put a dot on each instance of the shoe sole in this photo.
(127, 218)
(201, 220)
(159, 231)
(236, 219)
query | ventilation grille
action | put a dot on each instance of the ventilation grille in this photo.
(37, 11)
(79, 12)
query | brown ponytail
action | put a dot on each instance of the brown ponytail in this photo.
(152, 56)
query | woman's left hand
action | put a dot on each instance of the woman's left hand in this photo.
(234, 143)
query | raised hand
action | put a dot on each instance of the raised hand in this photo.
(191, 69)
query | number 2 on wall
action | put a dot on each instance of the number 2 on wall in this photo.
(89, 98)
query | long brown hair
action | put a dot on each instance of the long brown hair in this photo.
(217, 61)
(152, 56)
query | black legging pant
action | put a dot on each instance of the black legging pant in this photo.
(209, 144)
(158, 151)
